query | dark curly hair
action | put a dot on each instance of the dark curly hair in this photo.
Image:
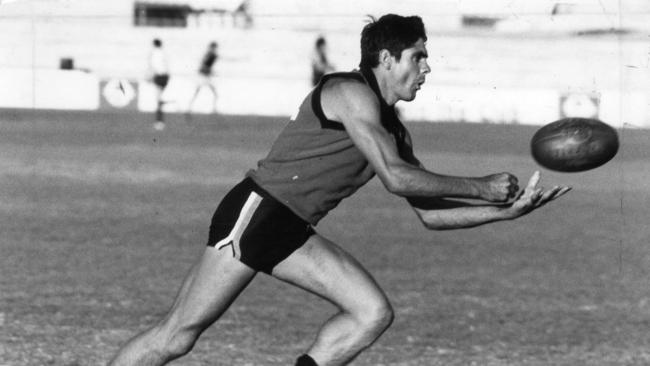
(391, 32)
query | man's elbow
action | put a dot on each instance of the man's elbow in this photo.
(396, 185)
(395, 188)
(437, 226)
(435, 223)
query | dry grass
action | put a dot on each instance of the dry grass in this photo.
(101, 217)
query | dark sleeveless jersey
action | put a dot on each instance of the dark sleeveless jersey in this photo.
(314, 164)
(206, 63)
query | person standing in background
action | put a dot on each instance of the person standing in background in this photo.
(159, 72)
(320, 64)
(205, 76)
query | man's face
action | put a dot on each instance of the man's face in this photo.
(409, 73)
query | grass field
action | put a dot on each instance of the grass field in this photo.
(101, 218)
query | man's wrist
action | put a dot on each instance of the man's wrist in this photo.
(476, 185)
(506, 212)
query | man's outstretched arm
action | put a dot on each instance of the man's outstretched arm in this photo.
(358, 108)
(445, 214)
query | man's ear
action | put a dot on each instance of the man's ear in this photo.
(385, 59)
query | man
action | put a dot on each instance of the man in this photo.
(320, 64)
(346, 131)
(159, 72)
(205, 76)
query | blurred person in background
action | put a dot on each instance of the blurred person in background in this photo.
(206, 76)
(243, 12)
(159, 75)
(320, 64)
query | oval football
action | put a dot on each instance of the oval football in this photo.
(574, 144)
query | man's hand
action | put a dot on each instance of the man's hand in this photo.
(499, 187)
(532, 197)
(446, 214)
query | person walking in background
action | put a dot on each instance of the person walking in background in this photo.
(159, 74)
(320, 64)
(206, 75)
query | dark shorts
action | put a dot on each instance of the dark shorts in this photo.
(257, 229)
(161, 80)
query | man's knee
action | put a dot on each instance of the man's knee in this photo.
(376, 317)
(182, 342)
(177, 341)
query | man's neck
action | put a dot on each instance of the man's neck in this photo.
(380, 83)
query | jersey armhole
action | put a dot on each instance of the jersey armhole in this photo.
(316, 99)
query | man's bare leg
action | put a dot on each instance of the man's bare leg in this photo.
(326, 270)
(208, 290)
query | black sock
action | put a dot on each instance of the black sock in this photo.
(305, 360)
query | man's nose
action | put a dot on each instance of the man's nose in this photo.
(425, 69)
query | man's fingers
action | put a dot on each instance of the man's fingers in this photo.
(548, 195)
(513, 192)
(560, 192)
(530, 187)
(538, 194)
(520, 194)
(532, 183)
(552, 194)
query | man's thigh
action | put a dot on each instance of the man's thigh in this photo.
(211, 286)
(325, 269)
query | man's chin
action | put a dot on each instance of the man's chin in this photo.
(410, 97)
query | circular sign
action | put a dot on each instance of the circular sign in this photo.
(579, 105)
(118, 92)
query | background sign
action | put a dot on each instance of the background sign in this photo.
(118, 94)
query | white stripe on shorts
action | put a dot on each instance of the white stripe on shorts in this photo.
(243, 220)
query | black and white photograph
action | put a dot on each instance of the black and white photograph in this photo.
(324, 182)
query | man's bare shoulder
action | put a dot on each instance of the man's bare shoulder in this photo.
(346, 97)
(346, 87)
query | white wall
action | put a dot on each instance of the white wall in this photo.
(48, 89)
(499, 75)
